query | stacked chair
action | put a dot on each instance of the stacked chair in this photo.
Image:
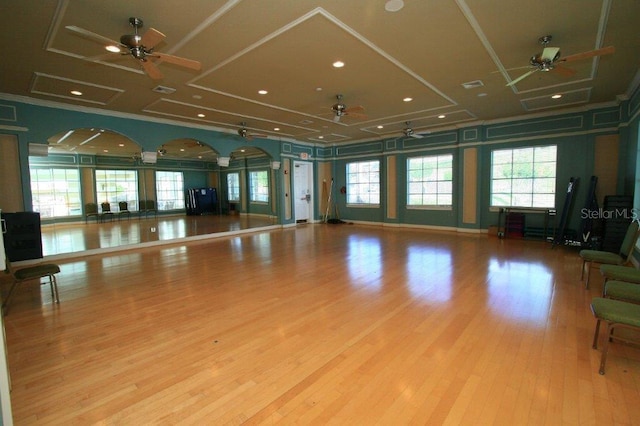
(622, 257)
(619, 306)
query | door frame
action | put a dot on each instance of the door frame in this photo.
(310, 171)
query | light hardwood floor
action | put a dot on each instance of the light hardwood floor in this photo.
(320, 324)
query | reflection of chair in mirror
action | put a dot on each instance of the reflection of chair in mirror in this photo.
(32, 273)
(123, 210)
(91, 209)
(146, 207)
(106, 211)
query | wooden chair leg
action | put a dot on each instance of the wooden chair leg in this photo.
(595, 335)
(582, 270)
(586, 281)
(605, 348)
(53, 283)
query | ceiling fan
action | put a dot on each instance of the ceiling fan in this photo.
(550, 59)
(244, 133)
(409, 132)
(140, 47)
(340, 109)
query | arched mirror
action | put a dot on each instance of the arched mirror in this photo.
(146, 192)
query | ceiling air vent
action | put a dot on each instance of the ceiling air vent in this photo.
(164, 90)
(472, 84)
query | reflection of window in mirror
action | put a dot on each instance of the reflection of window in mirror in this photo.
(233, 187)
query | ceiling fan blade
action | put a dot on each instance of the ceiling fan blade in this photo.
(522, 77)
(550, 53)
(590, 54)
(151, 37)
(355, 115)
(151, 69)
(176, 60)
(564, 71)
(355, 108)
(95, 37)
(416, 136)
(336, 118)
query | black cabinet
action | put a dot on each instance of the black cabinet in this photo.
(22, 235)
(201, 201)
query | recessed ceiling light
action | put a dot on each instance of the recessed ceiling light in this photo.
(380, 127)
(262, 92)
(441, 116)
(242, 150)
(76, 92)
(318, 89)
(112, 48)
(181, 149)
(201, 115)
(197, 97)
(277, 129)
(393, 5)
(480, 95)
(320, 137)
(120, 144)
(407, 99)
(338, 64)
(558, 96)
(105, 150)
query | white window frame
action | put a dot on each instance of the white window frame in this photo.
(259, 186)
(233, 187)
(56, 198)
(430, 182)
(113, 186)
(169, 190)
(524, 177)
(363, 183)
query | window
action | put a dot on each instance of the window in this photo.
(55, 192)
(113, 186)
(233, 186)
(524, 177)
(259, 186)
(363, 182)
(430, 180)
(170, 190)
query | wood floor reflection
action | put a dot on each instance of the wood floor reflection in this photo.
(319, 324)
(63, 238)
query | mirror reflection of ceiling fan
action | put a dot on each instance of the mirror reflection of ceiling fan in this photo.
(550, 60)
(244, 133)
(140, 47)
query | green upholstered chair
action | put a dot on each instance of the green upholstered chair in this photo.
(91, 209)
(33, 272)
(123, 210)
(604, 257)
(106, 211)
(617, 314)
(629, 274)
(621, 290)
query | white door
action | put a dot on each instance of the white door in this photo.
(303, 191)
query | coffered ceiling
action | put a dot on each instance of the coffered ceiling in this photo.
(453, 58)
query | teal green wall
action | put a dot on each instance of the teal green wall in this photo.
(574, 132)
